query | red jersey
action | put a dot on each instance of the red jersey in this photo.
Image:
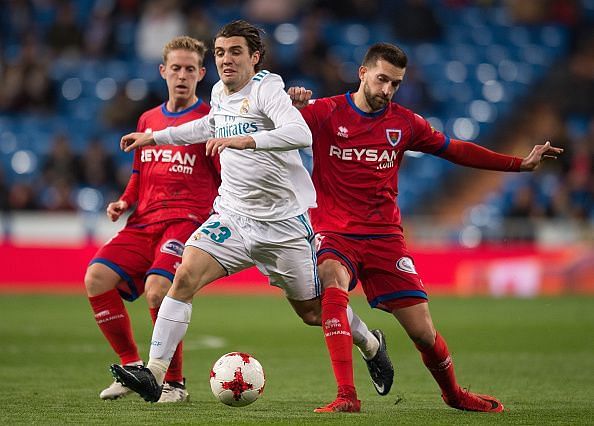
(171, 182)
(356, 160)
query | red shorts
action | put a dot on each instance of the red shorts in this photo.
(135, 253)
(383, 265)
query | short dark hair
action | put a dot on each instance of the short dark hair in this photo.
(386, 51)
(252, 35)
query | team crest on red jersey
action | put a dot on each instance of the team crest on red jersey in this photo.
(405, 264)
(174, 247)
(393, 136)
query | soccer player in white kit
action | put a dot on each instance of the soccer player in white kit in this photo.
(261, 209)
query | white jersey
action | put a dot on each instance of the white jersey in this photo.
(268, 183)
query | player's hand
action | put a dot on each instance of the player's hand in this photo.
(538, 154)
(115, 209)
(215, 146)
(300, 96)
(136, 140)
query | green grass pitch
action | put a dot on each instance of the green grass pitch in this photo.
(536, 355)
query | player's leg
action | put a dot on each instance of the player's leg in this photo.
(117, 272)
(365, 340)
(416, 321)
(197, 269)
(110, 313)
(214, 250)
(371, 344)
(174, 387)
(347, 255)
(336, 328)
(392, 284)
(168, 255)
(291, 264)
(373, 349)
(113, 321)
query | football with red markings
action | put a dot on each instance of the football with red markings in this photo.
(237, 379)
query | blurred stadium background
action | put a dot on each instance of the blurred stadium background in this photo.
(75, 76)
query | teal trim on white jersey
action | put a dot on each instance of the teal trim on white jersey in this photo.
(260, 75)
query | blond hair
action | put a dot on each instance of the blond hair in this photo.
(185, 43)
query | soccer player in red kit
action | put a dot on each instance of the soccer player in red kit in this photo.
(359, 140)
(173, 189)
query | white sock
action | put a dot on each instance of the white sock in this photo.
(362, 337)
(170, 328)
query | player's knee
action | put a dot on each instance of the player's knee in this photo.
(183, 277)
(184, 284)
(155, 289)
(97, 283)
(154, 297)
(423, 338)
(312, 318)
(333, 274)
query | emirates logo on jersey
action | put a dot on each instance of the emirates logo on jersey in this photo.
(343, 132)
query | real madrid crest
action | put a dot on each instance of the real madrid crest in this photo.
(245, 107)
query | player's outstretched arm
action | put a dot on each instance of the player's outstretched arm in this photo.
(538, 154)
(472, 155)
(217, 145)
(300, 96)
(116, 209)
(135, 140)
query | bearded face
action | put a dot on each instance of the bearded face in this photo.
(377, 100)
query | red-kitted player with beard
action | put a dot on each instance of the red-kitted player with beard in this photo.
(359, 140)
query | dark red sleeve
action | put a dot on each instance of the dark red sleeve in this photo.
(472, 155)
(130, 194)
(312, 113)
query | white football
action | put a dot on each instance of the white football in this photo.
(237, 379)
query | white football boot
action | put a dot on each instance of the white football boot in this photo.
(174, 392)
(114, 391)
(117, 390)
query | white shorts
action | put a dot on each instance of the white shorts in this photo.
(284, 251)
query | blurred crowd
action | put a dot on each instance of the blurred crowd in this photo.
(37, 34)
(63, 173)
(561, 110)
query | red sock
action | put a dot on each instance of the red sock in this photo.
(439, 362)
(113, 320)
(174, 372)
(339, 339)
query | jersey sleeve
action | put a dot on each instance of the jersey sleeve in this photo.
(315, 113)
(197, 131)
(425, 138)
(472, 155)
(291, 130)
(130, 194)
(141, 125)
